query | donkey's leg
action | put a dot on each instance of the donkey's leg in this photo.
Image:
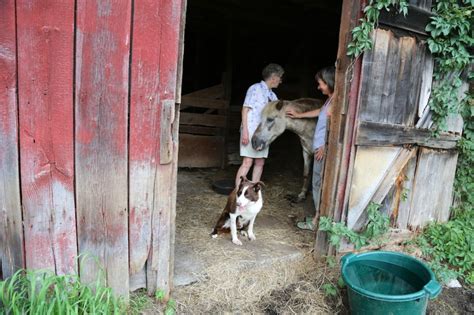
(308, 158)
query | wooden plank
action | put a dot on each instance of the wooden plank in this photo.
(343, 116)
(373, 77)
(202, 119)
(200, 130)
(370, 167)
(405, 82)
(406, 193)
(179, 76)
(11, 229)
(151, 140)
(174, 177)
(416, 76)
(166, 141)
(45, 84)
(391, 80)
(201, 102)
(102, 76)
(144, 153)
(433, 187)
(376, 134)
(216, 91)
(415, 21)
(200, 151)
(402, 157)
(426, 82)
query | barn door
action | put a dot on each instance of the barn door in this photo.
(396, 162)
(155, 91)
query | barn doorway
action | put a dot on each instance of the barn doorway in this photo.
(227, 44)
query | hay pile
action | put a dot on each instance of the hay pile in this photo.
(284, 288)
(225, 286)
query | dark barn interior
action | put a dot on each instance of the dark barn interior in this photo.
(227, 44)
(230, 41)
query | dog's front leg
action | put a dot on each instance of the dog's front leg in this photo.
(251, 235)
(233, 229)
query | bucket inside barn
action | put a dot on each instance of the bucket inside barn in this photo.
(388, 283)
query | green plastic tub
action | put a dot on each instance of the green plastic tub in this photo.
(388, 283)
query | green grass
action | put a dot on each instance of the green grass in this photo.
(43, 292)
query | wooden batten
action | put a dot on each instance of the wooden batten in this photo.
(11, 228)
(378, 134)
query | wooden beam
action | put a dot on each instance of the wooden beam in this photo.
(200, 130)
(378, 134)
(342, 118)
(192, 101)
(415, 21)
(202, 119)
(216, 91)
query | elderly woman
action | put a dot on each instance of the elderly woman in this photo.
(258, 95)
(325, 81)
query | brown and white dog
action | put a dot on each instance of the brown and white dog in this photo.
(243, 205)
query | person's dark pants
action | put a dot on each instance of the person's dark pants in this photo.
(318, 169)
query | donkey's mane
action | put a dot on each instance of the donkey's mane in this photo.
(306, 104)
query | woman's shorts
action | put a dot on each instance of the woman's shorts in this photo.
(248, 151)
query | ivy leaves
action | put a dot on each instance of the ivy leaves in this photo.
(361, 40)
(377, 226)
(449, 42)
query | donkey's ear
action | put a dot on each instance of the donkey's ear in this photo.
(279, 105)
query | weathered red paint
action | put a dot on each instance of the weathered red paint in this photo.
(11, 232)
(45, 76)
(102, 76)
(153, 84)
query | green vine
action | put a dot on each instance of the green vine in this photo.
(450, 38)
(377, 226)
(361, 40)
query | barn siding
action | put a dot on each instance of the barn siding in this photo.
(152, 111)
(102, 76)
(45, 76)
(11, 229)
(391, 79)
(432, 187)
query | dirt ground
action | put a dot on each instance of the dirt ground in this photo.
(232, 280)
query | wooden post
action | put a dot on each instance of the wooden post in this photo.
(102, 77)
(11, 230)
(45, 85)
(340, 134)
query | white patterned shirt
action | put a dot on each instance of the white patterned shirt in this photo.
(258, 95)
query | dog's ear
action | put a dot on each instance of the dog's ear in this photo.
(243, 179)
(279, 105)
(258, 186)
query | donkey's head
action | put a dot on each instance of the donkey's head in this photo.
(272, 124)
